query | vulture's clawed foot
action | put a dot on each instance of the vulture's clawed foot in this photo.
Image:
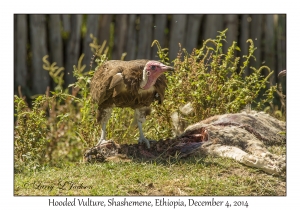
(101, 141)
(145, 140)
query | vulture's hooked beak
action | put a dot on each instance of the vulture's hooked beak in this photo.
(166, 68)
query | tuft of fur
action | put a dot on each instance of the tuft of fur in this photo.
(178, 121)
(186, 109)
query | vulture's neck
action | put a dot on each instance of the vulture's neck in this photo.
(144, 79)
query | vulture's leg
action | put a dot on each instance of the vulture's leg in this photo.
(140, 117)
(142, 138)
(103, 118)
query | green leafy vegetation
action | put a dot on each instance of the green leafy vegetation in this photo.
(214, 82)
(61, 124)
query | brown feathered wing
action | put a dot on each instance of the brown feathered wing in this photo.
(118, 82)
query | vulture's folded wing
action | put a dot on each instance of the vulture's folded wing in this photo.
(104, 80)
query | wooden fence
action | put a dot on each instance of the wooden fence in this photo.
(65, 37)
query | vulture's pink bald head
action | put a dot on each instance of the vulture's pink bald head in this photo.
(152, 70)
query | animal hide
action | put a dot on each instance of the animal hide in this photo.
(244, 137)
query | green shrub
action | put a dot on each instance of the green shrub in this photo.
(60, 125)
(213, 81)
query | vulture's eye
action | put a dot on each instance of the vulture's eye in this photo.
(153, 67)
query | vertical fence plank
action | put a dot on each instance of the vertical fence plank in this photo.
(178, 29)
(56, 46)
(160, 22)
(73, 47)
(131, 38)
(281, 42)
(244, 36)
(120, 36)
(104, 28)
(38, 41)
(212, 24)
(145, 36)
(21, 51)
(281, 48)
(92, 28)
(256, 36)
(66, 23)
(15, 49)
(231, 23)
(269, 48)
(192, 35)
